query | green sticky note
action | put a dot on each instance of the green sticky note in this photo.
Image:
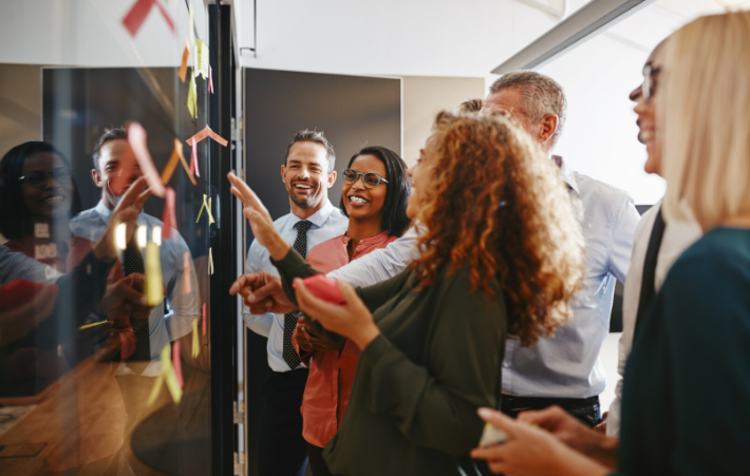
(192, 99)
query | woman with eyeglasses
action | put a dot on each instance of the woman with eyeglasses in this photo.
(373, 196)
(500, 252)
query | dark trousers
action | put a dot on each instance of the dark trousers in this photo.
(587, 410)
(317, 464)
(282, 450)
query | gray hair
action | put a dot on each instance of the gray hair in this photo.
(318, 138)
(471, 105)
(542, 95)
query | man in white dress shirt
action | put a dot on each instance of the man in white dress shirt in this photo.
(656, 246)
(308, 172)
(564, 370)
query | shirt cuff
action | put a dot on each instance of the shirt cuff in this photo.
(379, 347)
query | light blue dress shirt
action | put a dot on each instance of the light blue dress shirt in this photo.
(566, 366)
(90, 224)
(327, 223)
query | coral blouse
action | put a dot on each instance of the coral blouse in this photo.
(45, 251)
(329, 383)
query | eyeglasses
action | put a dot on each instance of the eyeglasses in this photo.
(369, 180)
(650, 81)
(39, 178)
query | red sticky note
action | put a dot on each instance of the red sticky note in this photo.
(138, 13)
(204, 318)
(177, 363)
(324, 288)
(194, 160)
(137, 139)
(210, 80)
(168, 218)
(187, 287)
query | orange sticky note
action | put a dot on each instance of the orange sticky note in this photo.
(204, 318)
(169, 169)
(177, 363)
(187, 286)
(199, 136)
(137, 139)
(168, 217)
(217, 138)
(178, 151)
(182, 73)
(207, 132)
(194, 160)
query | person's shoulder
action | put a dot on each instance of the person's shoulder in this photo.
(84, 216)
(601, 191)
(81, 223)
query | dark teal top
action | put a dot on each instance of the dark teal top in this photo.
(686, 394)
(418, 385)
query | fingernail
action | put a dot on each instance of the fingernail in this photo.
(484, 412)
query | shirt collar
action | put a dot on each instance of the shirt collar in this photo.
(566, 174)
(104, 212)
(376, 240)
(318, 218)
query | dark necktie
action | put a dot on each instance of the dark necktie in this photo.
(648, 283)
(142, 355)
(290, 320)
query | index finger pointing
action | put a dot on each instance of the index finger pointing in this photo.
(246, 194)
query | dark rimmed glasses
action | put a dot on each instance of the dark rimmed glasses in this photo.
(369, 180)
(39, 178)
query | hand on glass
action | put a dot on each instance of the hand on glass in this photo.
(125, 298)
(351, 320)
(127, 211)
(262, 292)
(573, 433)
(260, 220)
(531, 451)
(310, 341)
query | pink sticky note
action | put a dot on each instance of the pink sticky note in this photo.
(138, 13)
(199, 136)
(217, 138)
(187, 287)
(168, 218)
(177, 363)
(323, 287)
(204, 318)
(137, 139)
(194, 160)
(210, 80)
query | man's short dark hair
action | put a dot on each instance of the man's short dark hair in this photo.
(109, 135)
(318, 138)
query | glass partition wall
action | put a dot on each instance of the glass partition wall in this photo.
(110, 361)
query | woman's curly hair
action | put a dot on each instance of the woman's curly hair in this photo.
(498, 203)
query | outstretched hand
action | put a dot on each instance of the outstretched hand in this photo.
(351, 319)
(262, 292)
(531, 451)
(127, 211)
(260, 220)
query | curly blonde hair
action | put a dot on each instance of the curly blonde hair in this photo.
(497, 203)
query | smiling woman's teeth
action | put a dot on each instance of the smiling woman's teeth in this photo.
(357, 200)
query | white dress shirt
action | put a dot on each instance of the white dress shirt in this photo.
(678, 236)
(90, 224)
(328, 222)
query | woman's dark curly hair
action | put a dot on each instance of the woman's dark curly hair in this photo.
(394, 219)
(498, 203)
(16, 221)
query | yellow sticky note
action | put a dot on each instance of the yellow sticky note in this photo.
(204, 61)
(198, 54)
(154, 283)
(167, 371)
(155, 390)
(210, 215)
(191, 23)
(196, 342)
(210, 262)
(192, 99)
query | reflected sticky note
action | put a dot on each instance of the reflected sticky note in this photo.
(186, 281)
(210, 80)
(168, 217)
(206, 206)
(196, 341)
(182, 72)
(177, 363)
(210, 262)
(155, 390)
(137, 140)
(192, 99)
(194, 159)
(204, 318)
(154, 283)
(138, 13)
(170, 377)
(178, 150)
(171, 166)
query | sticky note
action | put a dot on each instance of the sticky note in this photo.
(196, 341)
(138, 13)
(210, 80)
(208, 132)
(210, 262)
(168, 217)
(171, 166)
(192, 99)
(191, 22)
(177, 363)
(204, 318)
(187, 286)
(182, 72)
(155, 390)
(154, 284)
(204, 61)
(217, 137)
(194, 160)
(170, 377)
(137, 139)
(199, 136)
(206, 206)
(197, 56)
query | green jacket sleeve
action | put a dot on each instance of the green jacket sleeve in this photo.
(436, 404)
